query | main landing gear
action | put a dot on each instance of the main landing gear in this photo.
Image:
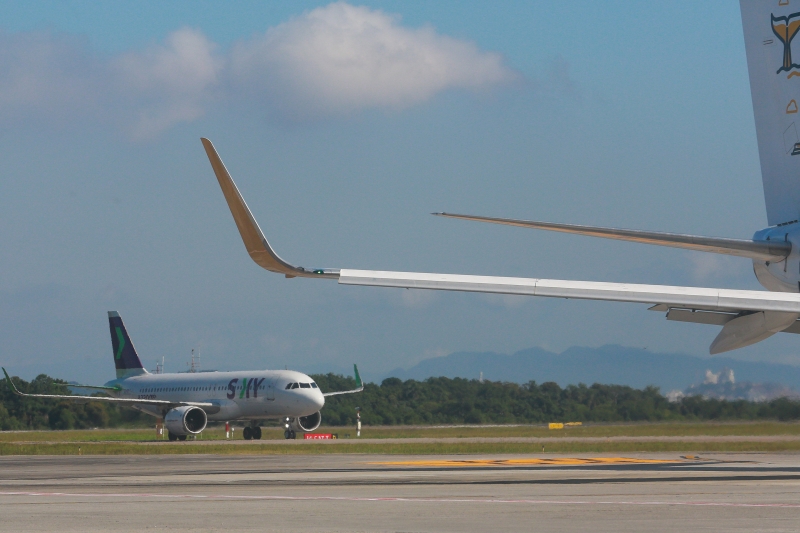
(251, 432)
(173, 437)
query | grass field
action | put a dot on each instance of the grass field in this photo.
(688, 429)
(741, 437)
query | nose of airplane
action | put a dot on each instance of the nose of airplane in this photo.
(318, 399)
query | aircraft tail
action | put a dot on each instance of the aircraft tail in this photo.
(126, 360)
(773, 63)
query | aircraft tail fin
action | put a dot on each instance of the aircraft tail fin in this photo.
(773, 63)
(126, 360)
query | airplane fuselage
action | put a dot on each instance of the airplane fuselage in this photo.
(780, 276)
(247, 395)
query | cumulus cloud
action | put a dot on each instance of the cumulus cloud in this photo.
(331, 61)
(340, 58)
(168, 83)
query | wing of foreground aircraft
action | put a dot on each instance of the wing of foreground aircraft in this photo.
(747, 317)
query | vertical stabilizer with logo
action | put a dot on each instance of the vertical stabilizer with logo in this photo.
(771, 40)
(126, 361)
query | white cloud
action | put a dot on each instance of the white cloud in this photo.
(331, 61)
(341, 58)
(168, 83)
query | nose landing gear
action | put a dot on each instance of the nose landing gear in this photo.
(289, 432)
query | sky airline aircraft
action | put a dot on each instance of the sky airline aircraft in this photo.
(746, 317)
(187, 401)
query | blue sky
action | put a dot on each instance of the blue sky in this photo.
(619, 114)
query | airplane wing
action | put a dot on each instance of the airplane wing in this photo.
(254, 241)
(359, 386)
(726, 300)
(760, 250)
(94, 387)
(746, 316)
(124, 401)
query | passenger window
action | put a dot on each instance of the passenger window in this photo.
(305, 386)
(313, 385)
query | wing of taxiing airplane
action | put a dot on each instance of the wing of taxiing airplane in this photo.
(124, 401)
(359, 385)
(746, 316)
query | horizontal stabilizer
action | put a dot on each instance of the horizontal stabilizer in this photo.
(761, 250)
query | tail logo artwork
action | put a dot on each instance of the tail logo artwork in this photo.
(121, 339)
(785, 29)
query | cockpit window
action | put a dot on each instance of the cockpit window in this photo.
(313, 385)
(305, 385)
(288, 386)
(295, 385)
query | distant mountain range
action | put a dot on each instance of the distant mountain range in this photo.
(610, 364)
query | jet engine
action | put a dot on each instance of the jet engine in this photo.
(308, 423)
(185, 420)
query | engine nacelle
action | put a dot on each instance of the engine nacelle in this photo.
(186, 420)
(308, 423)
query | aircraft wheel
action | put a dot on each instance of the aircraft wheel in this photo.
(247, 433)
(172, 436)
(287, 434)
(257, 433)
(292, 434)
(181, 437)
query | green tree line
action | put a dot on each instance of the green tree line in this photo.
(17, 412)
(433, 401)
(463, 401)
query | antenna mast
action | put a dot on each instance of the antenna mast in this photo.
(195, 366)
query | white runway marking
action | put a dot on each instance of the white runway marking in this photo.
(387, 499)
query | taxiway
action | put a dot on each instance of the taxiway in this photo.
(638, 492)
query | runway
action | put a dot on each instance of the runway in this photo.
(637, 492)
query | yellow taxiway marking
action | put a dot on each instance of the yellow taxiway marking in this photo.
(555, 461)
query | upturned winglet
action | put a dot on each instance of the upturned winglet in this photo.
(14, 388)
(359, 385)
(254, 241)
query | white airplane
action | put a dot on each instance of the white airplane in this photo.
(746, 316)
(187, 401)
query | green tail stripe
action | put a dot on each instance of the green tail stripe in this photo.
(121, 339)
(358, 378)
(244, 388)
